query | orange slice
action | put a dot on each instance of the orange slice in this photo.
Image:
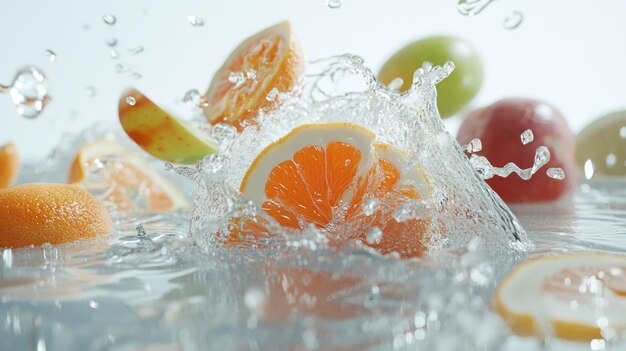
(323, 175)
(126, 175)
(38, 213)
(576, 294)
(9, 164)
(270, 59)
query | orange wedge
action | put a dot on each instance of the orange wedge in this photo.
(323, 175)
(9, 164)
(576, 295)
(38, 213)
(126, 175)
(270, 59)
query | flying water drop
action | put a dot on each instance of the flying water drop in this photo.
(472, 7)
(29, 92)
(555, 173)
(109, 19)
(52, 56)
(196, 21)
(527, 136)
(475, 145)
(334, 4)
(513, 20)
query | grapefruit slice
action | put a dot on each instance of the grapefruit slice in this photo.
(159, 133)
(126, 174)
(323, 174)
(270, 59)
(9, 164)
(577, 294)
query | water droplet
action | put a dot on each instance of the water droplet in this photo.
(334, 4)
(472, 7)
(251, 74)
(475, 145)
(29, 92)
(196, 21)
(52, 56)
(347, 162)
(7, 258)
(555, 173)
(370, 206)
(141, 231)
(589, 169)
(111, 41)
(136, 75)
(527, 136)
(136, 50)
(131, 100)
(114, 54)
(395, 84)
(273, 94)
(236, 78)
(513, 20)
(611, 160)
(93, 304)
(109, 19)
(119, 68)
(90, 91)
(622, 132)
(374, 236)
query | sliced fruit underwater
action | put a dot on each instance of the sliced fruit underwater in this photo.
(9, 164)
(324, 175)
(126, 175)
(270, 59)
(575, 294)
(39, 213)
(159, 133)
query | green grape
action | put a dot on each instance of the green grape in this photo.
(454, 92)
(601, 146)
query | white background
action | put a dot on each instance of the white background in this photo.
(571, 53)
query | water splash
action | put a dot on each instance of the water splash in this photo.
(472, 7)
(28, 91)
(488, 171)
(408, 121)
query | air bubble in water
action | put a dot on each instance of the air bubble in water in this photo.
(111, 41)
(131, 100)
(370, 206)
(472, 7)
(29, 92)
(334, 4)
(109, 19)
(374, 236)
(273, 94)
(475, 145)
(236, 78)
(513, 20)
(555, 173)
(196, 21)
(52, 56)
(527, 136)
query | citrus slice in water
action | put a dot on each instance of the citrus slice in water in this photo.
(159, 133)
(574, 296)
(9, 164)
(123, 176)
(334, 177)
(268, 60)
(38, 213)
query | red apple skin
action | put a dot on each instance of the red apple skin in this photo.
(499, 127)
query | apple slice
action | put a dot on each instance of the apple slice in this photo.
(159, 133)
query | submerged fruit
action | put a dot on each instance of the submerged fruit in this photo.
(124, 176)
(500, 126)
(576, 295)
(34, 214)
(325, 175)
(454, 92)
(268, 60)
(159, 133)
(9, 164)
(601, 146)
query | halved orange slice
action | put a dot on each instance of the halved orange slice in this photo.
(270, 59)
(126, 175)
(576, 295)
(9, 164)
(323, 175)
